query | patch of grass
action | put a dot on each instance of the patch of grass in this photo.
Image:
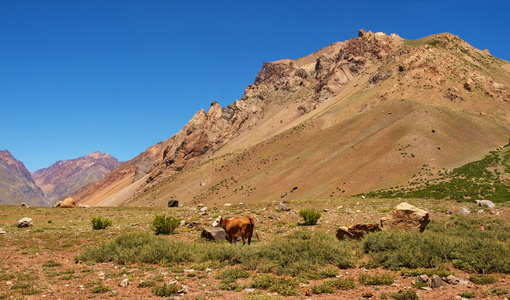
(51, 263)
(165, 290)
(458, 241)
(468, 295)
(342, 283)
(405, 295)
(285, 286)
(482, 279)
(419, 284)
(232, 274)
(323, 288)
(100, 222)
(164, 224)
(384, 279)
(100, 289)
(310, 216)
(499, 291)
(146, 284)
(328, 272)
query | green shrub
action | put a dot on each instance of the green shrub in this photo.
(384, 279)
(482, 279)
(310, 216)
(343, 283)
(323, 288)
(165, 290)
(164, 224)
(405, 295)
(457, 241)
(98, 222)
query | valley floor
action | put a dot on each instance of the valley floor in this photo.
(39, 262)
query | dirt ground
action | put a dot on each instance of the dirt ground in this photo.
(26, 270)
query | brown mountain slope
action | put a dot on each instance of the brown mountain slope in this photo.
(358, 115)
(16, 184)
(64, 177)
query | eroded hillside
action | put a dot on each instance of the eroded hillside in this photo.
(354, 117)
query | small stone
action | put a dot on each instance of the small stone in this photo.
(422, 278)
(452, 279)
(426, 288)
(325, 210)
(247, 290)
(204, 209)
(436, 282)
(464, 211)
(124, 283)
(183, 290)
(2, 231)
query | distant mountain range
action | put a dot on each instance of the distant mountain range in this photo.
(46, 186)
(16, 183)
(373, 112)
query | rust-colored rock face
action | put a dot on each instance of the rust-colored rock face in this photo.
(406, 217)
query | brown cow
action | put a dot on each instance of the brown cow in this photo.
(237, 227)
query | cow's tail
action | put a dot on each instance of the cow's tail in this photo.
(256, 232)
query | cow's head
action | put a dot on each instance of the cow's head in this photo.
(217, 222)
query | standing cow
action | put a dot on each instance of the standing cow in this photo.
(237, 227)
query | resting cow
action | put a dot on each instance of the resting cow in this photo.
(237, 227)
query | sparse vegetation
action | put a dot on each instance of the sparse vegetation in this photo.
(405, 295)
(483, 179)
(165, 290)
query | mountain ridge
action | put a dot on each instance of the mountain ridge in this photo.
(66, 176)
(16, 183)
(355, 116)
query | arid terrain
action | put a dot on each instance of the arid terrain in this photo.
(39, 262)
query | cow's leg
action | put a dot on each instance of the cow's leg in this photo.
(229, 238)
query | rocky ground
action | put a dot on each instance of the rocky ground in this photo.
(39, 262)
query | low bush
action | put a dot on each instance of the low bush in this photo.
(164, 224)
(51, 263)
(343, 283)
(499, 291)
(323, 288)
(165, 290)
(458, 241)
(310, 216)
(99, 222)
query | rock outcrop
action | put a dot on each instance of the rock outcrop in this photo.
(406, 217)
(68, 203)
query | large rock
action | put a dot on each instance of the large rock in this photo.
(357, 231)
(405, 217)
(214, 233)
(25, 222)
(173, 203)
(486, 203)
(68, 203)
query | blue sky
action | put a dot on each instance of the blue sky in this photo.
(119, 76)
